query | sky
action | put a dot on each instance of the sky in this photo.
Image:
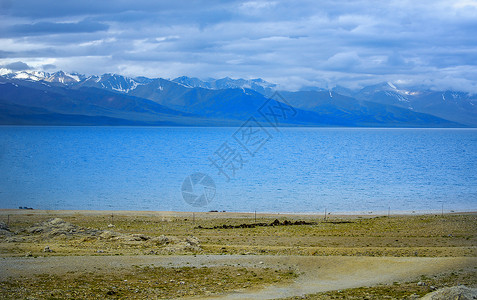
(292, 43)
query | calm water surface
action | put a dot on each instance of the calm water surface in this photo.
(294, 170)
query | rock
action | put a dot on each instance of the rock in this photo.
(15, 240)
(420, 283)
(164, 240)
(172, 244)
(58, 227)
(28, 254)
(134, 237)
(4, 230)
(110, 225)
(3, 226)
(47, 249)
(192, 244)
(460, 292)
(193, 241)
(106, 235)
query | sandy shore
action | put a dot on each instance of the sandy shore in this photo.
(223, 214)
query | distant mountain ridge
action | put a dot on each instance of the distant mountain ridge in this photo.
(111, 99)
(259, 85)
(452, 105)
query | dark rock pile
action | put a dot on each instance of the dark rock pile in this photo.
(253, 225)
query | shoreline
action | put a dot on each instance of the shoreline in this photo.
(225, 214)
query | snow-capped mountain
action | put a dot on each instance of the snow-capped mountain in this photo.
(193, 95)
(192, 82)
(165, 103)
(26, 75)
(57, 77)
(259, 85)
(113, 82)
(65, 78)
(388, 93)
(452, 105)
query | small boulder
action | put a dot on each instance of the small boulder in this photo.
(134, 237)
(193, 241)
(460, 292)
(3, 226)
(53, 227)
(106, 235)
(4, 230)
(163, 240)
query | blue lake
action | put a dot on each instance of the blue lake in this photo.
(286, 170)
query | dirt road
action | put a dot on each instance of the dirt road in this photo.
(316, 274)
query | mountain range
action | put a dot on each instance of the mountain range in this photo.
(40, 98)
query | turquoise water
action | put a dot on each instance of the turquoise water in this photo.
(291, 170)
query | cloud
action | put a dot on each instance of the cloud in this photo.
(48, 67)
(17, 66)
(343, 61)
(395, 60)
(44, 28)
(351, 43)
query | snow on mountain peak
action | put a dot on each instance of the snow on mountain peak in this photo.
(4, 71)
(392, 85)
(28, 75)
(63, 77)
(115, 82)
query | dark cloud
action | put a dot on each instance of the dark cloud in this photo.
(45, 28)
(17, 66)
(165, 11)
(6, 54)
